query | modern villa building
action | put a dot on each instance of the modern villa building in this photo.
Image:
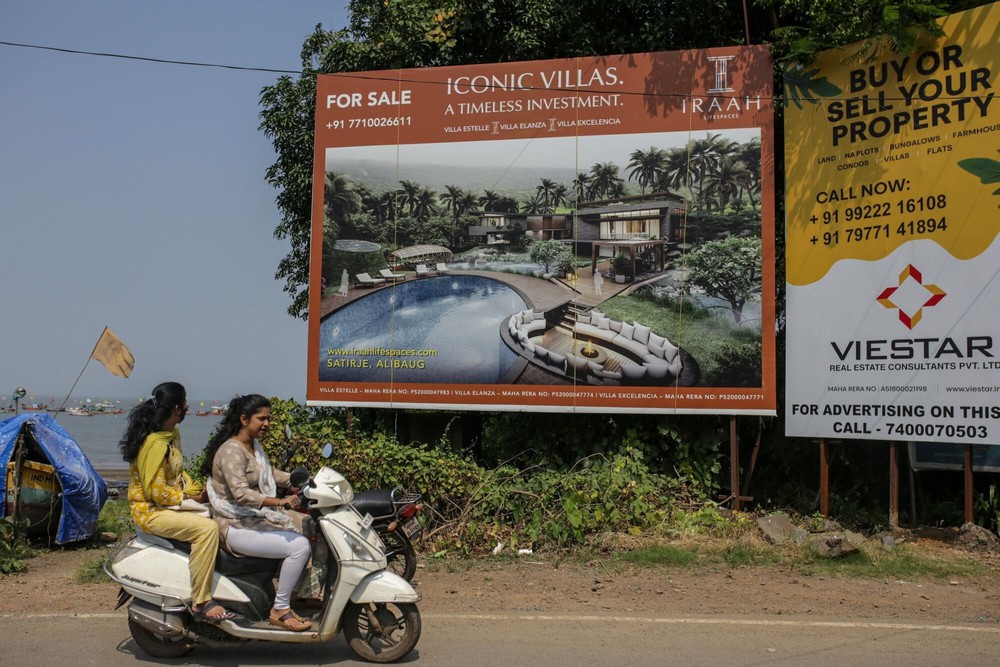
(647, 226)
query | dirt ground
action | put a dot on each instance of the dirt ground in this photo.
(535, 583)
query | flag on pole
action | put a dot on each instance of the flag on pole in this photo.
(111, 351)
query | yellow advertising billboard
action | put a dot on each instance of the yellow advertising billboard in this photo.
(893, 209)
(482, 235)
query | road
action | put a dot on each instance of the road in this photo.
(552, 640)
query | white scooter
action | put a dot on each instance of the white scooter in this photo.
(376, 608)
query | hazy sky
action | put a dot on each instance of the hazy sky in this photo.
(132, 195)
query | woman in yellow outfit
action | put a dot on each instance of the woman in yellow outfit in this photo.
(158, 485)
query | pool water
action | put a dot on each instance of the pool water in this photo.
(443, 329)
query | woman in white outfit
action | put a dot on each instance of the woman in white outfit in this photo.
(243, 487)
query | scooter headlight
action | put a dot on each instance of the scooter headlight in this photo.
(359, 549)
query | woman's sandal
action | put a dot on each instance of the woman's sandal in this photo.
(202, 614)
(289, 620)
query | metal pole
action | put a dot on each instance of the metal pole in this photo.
(893, 486)
(967, 465)
(734, 463)
(824, 479)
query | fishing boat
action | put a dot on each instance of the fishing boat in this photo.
(79, 412)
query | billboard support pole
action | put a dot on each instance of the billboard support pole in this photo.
(734, 462)
(824, 479)
(748, 473)
(967, 467)
(893, 485)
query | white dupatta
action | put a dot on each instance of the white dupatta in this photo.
(267, 486)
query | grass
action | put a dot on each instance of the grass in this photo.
(700, 334)
(91, 571)
(747, 550)
(902, 562)
(115, 517)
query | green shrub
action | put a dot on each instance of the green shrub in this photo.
(13, 550)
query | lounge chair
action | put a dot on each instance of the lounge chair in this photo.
(422, 271)
(387, 274)
(365, 280)
(442, 267)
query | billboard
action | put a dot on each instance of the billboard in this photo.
(588, 234)
(892, 251)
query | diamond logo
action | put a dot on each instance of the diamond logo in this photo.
(911, 296)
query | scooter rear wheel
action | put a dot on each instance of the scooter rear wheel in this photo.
(399, 554)
(381, 631)
(156, 646)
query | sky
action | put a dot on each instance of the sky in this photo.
(132, 196)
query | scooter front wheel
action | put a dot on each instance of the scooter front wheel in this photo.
(382, 631)
(156, 646)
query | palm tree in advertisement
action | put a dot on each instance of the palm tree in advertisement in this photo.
(645, 167)
(489, 200)
(559, 197)
(546, 191)
(674, 174)
(581, 188)
(705, 155)
(425, 205)
(340, 198)
(725, 180)
(749, 155)
(410, 194)
(603, 177)
(450, 199)
(534, 204)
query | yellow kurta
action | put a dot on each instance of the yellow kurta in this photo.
(157, 482)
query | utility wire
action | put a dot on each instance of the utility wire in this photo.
(164, 61)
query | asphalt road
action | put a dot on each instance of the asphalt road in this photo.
(551, 640)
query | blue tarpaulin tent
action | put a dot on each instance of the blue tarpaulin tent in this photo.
(83, 490)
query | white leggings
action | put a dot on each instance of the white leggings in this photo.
(291, 546)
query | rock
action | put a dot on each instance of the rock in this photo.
(856, 539)
(831, 545)
(977, 538)
(779, 529)
(107, 538)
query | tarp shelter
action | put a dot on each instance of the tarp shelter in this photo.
(83, 491)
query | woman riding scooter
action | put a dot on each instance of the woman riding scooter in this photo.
(242, 491)
(157, 486)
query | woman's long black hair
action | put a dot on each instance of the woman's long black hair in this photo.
(149, 416)
(241, 406)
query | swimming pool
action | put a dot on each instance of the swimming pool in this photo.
(444, 329)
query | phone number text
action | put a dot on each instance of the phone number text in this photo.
(378, 121)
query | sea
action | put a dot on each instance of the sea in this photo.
(99, 435)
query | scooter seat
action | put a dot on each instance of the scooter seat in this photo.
(225, 562)
(377, 502)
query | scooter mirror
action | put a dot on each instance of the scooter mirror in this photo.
(327, 450)
(299, 477)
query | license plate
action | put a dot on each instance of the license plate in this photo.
(412, 527)
(366, 522)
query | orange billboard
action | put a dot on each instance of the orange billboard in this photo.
(588, 234)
